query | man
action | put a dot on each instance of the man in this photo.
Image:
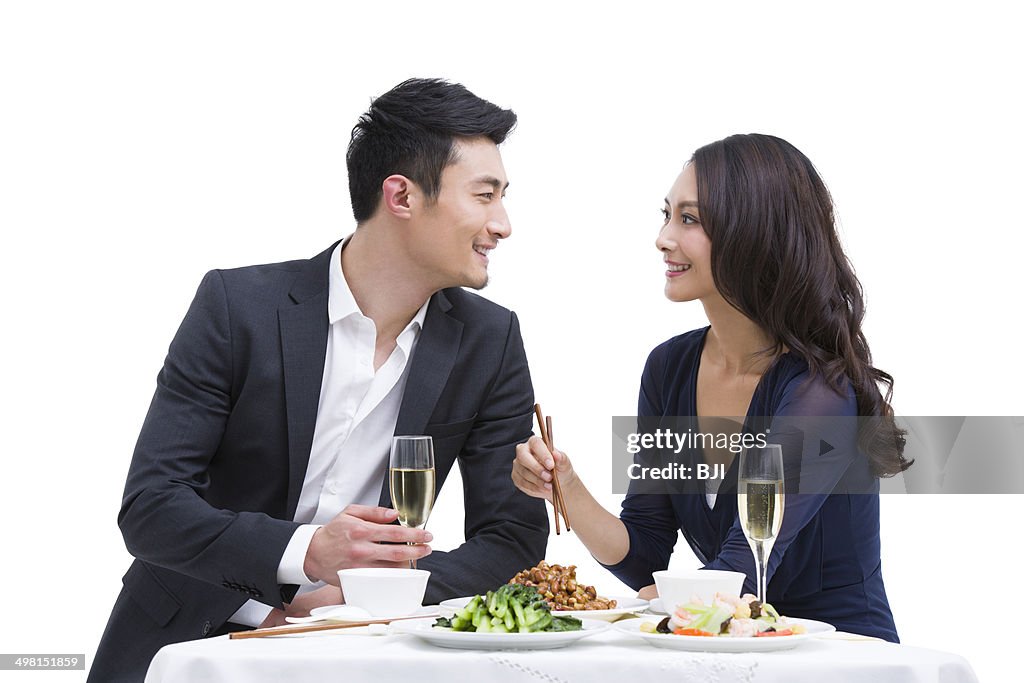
(262, 463)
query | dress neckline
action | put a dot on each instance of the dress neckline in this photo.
(746, 418)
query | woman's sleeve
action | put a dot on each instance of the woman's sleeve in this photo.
(817, 429)
(649, 518)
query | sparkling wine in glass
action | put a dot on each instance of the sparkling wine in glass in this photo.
(412, 480)
(761, 498)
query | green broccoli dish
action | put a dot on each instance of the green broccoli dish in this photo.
(510, 609)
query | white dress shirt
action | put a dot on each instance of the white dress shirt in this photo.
(355, 423)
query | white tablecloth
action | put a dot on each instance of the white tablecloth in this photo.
(610, 657)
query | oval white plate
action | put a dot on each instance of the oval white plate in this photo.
(623, 606)
(725, 643)
(340, 614)
(470, 640)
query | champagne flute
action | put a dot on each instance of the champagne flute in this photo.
(412, 480)
(761, 498)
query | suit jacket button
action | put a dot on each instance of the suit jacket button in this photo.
(207, 627)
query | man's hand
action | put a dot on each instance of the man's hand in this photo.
(304, 602)
(275, 618)
(354, 539)
(648, 592)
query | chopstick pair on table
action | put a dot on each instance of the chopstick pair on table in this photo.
(286, 630)
(548, 436)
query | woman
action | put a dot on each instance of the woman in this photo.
(749, 232)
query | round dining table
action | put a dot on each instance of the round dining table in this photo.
(385, 656)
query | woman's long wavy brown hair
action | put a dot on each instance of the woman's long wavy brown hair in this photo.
(776, 257)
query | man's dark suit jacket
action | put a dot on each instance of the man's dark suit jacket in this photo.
(216, 474)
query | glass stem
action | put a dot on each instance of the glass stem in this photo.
(761, 555)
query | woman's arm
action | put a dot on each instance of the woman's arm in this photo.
(601, 531)
(638, 543)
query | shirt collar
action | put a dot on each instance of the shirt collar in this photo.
(341, 303)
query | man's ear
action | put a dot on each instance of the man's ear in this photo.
(396, 193)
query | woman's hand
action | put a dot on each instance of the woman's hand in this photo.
(601, 532)
(531, 469)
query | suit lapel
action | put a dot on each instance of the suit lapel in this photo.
(304, 329)
(432, 363)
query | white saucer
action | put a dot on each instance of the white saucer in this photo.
(346, 613)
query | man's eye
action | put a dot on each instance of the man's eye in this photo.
(487, 195)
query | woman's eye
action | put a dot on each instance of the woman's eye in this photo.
(688, 219)
(665, 214)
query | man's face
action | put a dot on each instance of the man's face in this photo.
(452, 236)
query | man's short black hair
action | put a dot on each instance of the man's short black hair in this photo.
(411, 130)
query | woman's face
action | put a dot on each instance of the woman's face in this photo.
(684, 244)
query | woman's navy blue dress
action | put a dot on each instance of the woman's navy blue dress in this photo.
(826, 562)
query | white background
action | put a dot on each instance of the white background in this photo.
(142, 144)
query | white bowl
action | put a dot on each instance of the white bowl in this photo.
(680, 587)
(384, 592)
